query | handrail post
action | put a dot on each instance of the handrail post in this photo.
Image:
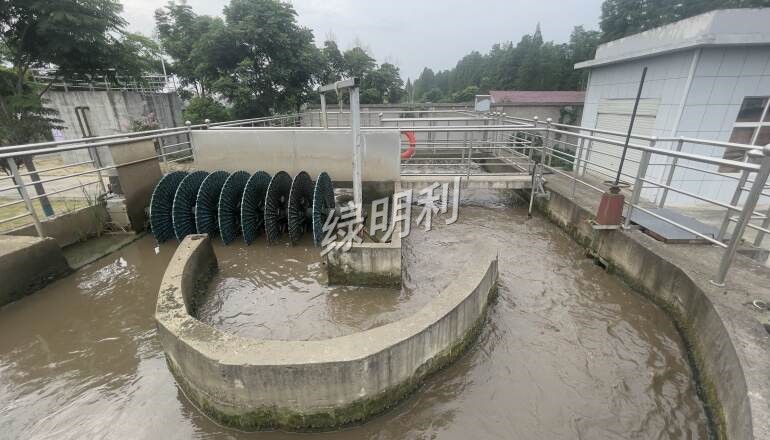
(670, 176)
(760, 179)
(470, 155)
(97, 160)
(24, 195)
(576, 164)
(733, 202)
(641, 172)
(531, 139)
(546, 141)
(761, 234)
(324, 120)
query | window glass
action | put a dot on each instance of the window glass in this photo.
(751, 109)
(742, 135)
(763, 138)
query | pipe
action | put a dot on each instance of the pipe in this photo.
(409, 152)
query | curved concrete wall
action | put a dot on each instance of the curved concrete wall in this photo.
(259, 384)
(727, 345)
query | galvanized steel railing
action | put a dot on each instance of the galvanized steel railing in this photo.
(448, 142)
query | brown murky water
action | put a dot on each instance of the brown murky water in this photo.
(567, 351)
(279, 292)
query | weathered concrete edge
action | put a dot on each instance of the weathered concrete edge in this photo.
(29, 264)
(712, 354)
(310, 384)
(367, 264)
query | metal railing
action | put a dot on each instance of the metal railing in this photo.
(586, 156)
(151, 83)
(446, 142)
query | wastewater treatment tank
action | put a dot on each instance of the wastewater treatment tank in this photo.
(566, 350)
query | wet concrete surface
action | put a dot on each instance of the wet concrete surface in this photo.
(567, 351)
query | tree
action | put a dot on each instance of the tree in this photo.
(358, 63)
(73, 36)
(467, 95)
(201, 108)
(531, 64)
(385, 83)
(277, 61)
(625, 17)
(184, 36)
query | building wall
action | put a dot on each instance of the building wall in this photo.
(665, 82)
(722, 78)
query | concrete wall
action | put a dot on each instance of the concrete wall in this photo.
(367, 264)
(295, 150)
(112, 112)
(71, 227)
(260, 384)
(27, 264)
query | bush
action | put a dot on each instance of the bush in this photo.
(201, 108)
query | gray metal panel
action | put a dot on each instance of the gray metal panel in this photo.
(297, 150)
(668, 233)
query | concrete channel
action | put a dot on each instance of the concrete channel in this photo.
(565, 350)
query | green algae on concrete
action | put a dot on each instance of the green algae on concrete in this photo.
(309, 385)
(705, 386)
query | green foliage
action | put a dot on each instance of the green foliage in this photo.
(258, 58)
(24, 117)
(625, 17)
(75, 38)
(532, 64)
(201, 108)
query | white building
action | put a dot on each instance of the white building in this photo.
(708, 78)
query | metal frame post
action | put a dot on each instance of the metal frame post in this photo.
(641, 172)
(760, 179)
(670, 176)
(546, 141)
(25, 195)
(98, 164)
(761, 234)
(324, 120)
(355, 123)
(733, 202)
(576, 165)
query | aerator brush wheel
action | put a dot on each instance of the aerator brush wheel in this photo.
(299, 216)
(323, 204)
(183, 215)
(229, 211)
(276, 204)
(207, 202)
(162, 205)
(253, 206)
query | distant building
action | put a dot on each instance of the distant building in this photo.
(564, 106)
(708, 77)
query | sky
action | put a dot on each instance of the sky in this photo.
(413, 34)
